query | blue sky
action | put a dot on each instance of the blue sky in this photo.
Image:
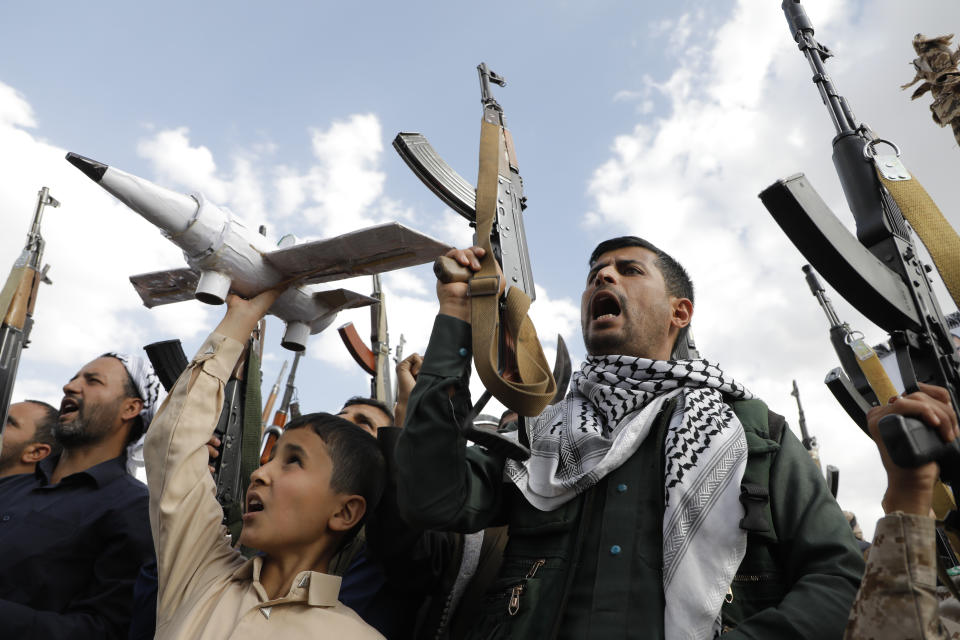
(660, 119)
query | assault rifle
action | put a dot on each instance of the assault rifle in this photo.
(494, 210)
(17, 301)
(878, 271)
(273, 431)
(272, 398)
(375, 360)
(810, 443)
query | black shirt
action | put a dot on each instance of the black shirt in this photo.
(70, 552)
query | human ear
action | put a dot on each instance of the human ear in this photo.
(682, 312)
(349, 514)
(131, 408)
(35, 453)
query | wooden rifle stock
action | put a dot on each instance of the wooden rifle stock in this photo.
(18, 298)
(273, 431)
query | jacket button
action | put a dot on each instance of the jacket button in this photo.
(621, 488)
(6, 518)
(615, 550)
(463, 352)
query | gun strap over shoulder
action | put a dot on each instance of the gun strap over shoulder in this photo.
(937, 235)
(529, 395)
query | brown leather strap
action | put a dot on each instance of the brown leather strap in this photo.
(531, 394)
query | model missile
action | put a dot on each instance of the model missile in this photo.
(223, 254)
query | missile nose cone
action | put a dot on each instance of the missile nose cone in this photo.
(91, 168)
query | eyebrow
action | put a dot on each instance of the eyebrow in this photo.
(12, 421)
(620, 264)
(295, 448)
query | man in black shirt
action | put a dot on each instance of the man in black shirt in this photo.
(75, 533)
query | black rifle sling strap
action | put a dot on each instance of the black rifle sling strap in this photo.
(529, 395)
(934, 230)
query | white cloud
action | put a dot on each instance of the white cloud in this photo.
(742, 112)
(15, 111)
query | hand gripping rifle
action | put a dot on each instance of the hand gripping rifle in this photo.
(495, 211)
(273, 431)
(17, 301)
(878, 271)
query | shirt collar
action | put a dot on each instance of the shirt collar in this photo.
(317, 589)
(101, 474)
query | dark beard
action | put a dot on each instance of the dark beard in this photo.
(91, 426)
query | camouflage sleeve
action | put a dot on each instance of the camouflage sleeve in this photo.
(898, 595)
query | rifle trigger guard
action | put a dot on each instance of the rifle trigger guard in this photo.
(484, 286)
(869, 152)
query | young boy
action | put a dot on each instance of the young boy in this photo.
(310, 497)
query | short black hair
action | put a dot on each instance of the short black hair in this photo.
(675, 277)
(45, 427)
(373, 402)
(358, 464)
(953, 319)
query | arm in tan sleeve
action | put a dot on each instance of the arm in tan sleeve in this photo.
(898, 595)
(185, 517)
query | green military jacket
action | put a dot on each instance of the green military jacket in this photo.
(592, 568)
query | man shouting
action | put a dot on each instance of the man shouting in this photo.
(661, 499)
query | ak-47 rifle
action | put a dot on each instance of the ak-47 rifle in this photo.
(810, 443)
(495, 211)
(375, 360)
(17, 301)
(273, 431)
(272, 398)
(878, 271)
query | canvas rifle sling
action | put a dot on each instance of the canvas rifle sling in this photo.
(529, 395)
(937, 235)
(249, 441)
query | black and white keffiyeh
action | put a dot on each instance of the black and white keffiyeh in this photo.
(603, 421)
(152, 393)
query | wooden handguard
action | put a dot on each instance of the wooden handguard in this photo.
(449, 270)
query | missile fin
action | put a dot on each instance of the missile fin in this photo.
(368, 251)
(165, 287)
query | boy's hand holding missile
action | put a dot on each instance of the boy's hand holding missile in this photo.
(243, 315)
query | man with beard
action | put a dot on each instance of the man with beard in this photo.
(75, 533)
(661, 499)
(28, 437)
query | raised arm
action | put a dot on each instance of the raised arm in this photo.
(899, 590)
(441, 483)
(185, 517)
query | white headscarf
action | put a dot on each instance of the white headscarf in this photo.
(152, 394)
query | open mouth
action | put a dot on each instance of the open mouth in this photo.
(254, 504)
(604, 306)
(68, 408)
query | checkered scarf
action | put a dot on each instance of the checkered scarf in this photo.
(602, 422)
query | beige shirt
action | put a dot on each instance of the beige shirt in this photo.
(899, 597)
(206, 588)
